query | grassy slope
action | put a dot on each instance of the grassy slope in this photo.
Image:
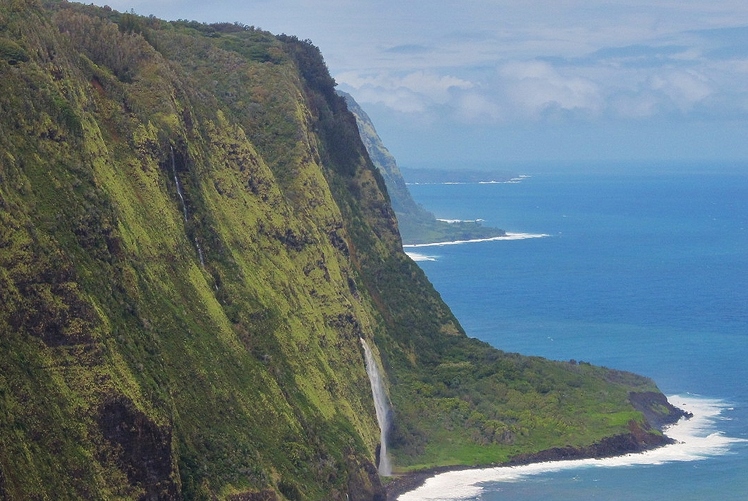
(130, 367)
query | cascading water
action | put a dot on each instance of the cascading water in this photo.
(382, 408)
(200, 253)
(184, 205)
(179, 186)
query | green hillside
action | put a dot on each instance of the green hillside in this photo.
(193, 241)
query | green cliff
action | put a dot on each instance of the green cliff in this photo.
(193, 241)
(416, 224)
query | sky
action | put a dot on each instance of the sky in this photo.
(518, 83)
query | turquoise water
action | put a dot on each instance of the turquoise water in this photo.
(638, 272)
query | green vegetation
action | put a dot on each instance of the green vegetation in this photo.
(424, 228)
(192, 241)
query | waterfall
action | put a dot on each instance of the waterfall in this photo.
(179, 186)
(200, 253)
(382, 408)
(184, 205)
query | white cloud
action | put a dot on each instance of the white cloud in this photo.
(684, 88)
(634, 105)
(400, 99)
(412, 93)
(476, 108)
(630, 83)
(535, 86)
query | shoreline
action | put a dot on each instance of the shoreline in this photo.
(410, 482)
(404, 483)
(689, 439)
(505, 236)
(409, 249)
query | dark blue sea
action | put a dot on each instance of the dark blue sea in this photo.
(639, 272)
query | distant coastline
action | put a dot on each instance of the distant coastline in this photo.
(505, 236)
(415, 223)
(418, 256)
(458, 176)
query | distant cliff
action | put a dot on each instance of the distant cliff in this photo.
(193, 242)
(416, 224)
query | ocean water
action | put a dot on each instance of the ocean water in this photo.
(647, 273)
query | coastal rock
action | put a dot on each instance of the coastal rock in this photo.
(657, 410)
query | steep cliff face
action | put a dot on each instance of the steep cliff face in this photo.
(180, 312)
(193, 241)
(402, 201)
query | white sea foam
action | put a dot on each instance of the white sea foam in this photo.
(514, 180)
(507, 236)
(453, 221)
(415, 256)
(696, 439)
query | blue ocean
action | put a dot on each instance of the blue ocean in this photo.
(636, 271)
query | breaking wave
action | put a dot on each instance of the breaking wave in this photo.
(696, 439)
(415, 256)
(506, 236)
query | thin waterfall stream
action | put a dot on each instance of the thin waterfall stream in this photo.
(382, 408)
(184, 204)
(179, 186)
(200, 252)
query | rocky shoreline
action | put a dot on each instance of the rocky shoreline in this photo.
(658, 414)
